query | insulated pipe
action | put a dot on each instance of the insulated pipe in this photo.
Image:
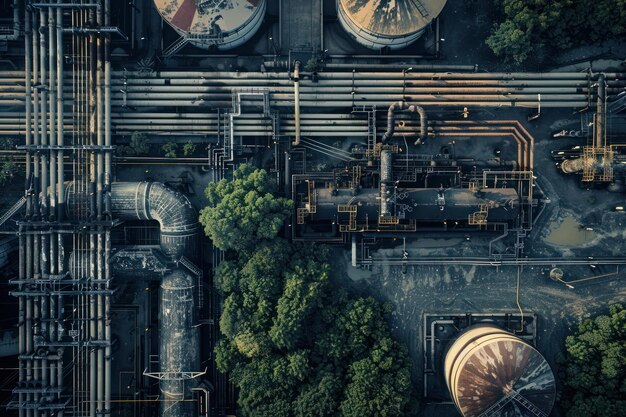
(154, 201)
(296, 102)
(179, 342)
(403, 106)
(52, 86)
(60, 114)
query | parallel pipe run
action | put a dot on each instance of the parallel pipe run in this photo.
(403, 106)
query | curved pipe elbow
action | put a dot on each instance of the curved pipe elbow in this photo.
(154, 201)
(391, 120)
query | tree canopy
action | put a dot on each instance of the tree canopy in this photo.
(595, 367)
(244, 211)
(293, 342)
(533, 27)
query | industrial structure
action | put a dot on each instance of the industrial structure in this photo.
(116, 314)
(491, 372)
(212, 23)
(389, 24)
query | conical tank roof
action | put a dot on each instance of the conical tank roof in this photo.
(201, 16)
(490, 370)
(392, 17)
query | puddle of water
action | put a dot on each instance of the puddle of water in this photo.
(569, 233)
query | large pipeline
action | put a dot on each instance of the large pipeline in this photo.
(403, 106)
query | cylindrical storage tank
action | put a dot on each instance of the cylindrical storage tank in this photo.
(490, 369)
(387, 23)
(179, 343)
(224, 24)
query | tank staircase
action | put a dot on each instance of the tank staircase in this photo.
(197, 272)
(513, 396)
(175, 47)
(11, 211)
(420, 8)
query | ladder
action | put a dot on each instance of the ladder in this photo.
(513, 395)
(11, 211)
(175, 47)
(191, 267)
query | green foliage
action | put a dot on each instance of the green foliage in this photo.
(297, 346)
(293, 343)
(189, 148)
(8, 170)
(169, 149)
(137, 146)
(243, 212)
(139, 143)
(535, 27)
(312, 65)
(595, 367)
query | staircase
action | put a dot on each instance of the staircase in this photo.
(175, 47)
(14, 209)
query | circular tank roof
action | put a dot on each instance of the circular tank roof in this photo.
(499, 372)
(392, 17)
(200, 16)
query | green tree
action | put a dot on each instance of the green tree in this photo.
(532, 28)
(378, 384)
(8, 170)
(169, 149)
(189, 148)
(293, 343)
(139, 143)
(594, 375)
(244, 211)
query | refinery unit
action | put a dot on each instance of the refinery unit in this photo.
(108, 270)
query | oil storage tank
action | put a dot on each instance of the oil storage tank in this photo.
(387, 23)
(489, 371)
(224, 24)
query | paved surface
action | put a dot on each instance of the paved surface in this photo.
(301, 25)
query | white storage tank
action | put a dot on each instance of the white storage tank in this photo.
(387, 23)
(489, 371)
(224, 24)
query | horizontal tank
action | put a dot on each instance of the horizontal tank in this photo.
(490, 371)
(387, 23)
(179, 350)
(224, 24)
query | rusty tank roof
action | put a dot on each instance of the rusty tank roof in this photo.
(203, 16)
(502, 374)
(392, 17)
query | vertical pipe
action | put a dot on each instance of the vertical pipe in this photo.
(60, 138)
(36, 130)
(43, 81)
(52, 86)
(296, 98)
(24, 259)
(107, 183)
